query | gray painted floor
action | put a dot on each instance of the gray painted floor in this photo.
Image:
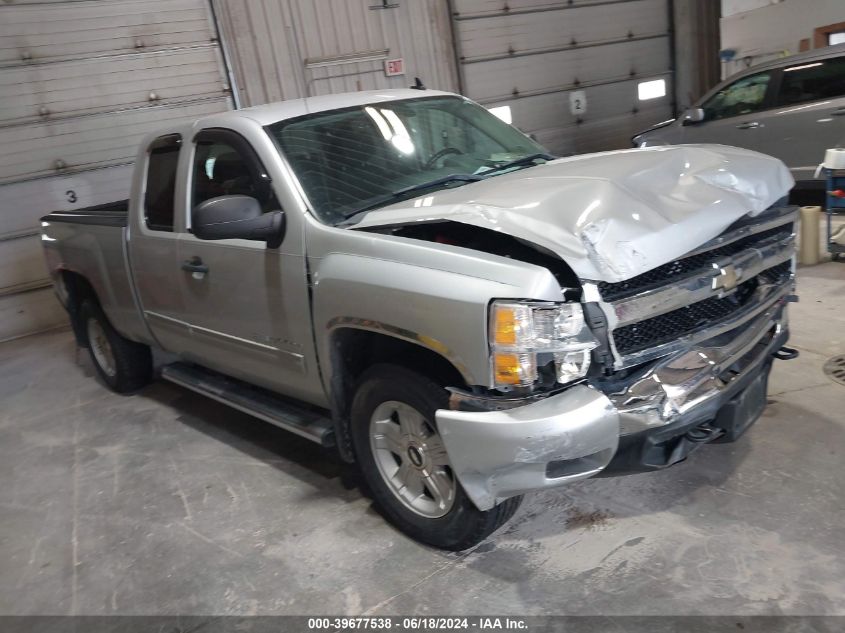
(164, 502)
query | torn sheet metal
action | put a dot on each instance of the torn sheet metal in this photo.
(614, 215)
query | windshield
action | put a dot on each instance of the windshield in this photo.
(363, 157)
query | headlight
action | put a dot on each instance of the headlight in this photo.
(527, 335)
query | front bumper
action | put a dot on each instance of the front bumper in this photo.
(499, 454)
(658, 448)
(652, 420)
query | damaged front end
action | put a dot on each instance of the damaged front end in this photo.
(682, 262)
(684, 360)
(555, 440)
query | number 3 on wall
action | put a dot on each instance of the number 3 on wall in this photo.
(71, 196)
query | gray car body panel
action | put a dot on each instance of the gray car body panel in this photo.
(797, 134)
(437, 294)
(97, 253)
(613, 215)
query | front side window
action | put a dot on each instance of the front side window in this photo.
(744, 96)
(358, 158)
(225, 165)
(161, 182)
(812, 82)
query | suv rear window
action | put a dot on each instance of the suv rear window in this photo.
(812, 82)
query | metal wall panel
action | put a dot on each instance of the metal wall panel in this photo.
(72, 88)
(611, 122)
(562, 71)
(530, 54)
(81, 81)
(479, 8)
(21, 263)
(584, 25)
(287, 49)
(38, 31)
(89, 142)
(33, 199)
(29, 311)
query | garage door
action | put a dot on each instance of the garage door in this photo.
(80, 83)
(580, 75)
(288, 49)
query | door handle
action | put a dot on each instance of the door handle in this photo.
(749, 126)
(839, 112)
(194, 265)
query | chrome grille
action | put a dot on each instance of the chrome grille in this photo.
(679, 268)
(666, 327)
(711, 290)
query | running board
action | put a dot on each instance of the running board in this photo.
(263, 404)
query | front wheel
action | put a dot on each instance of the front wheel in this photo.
(404, 462)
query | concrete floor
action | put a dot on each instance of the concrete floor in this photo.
(167, 503)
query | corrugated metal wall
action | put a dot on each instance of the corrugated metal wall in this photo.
(286, 49)
(80, 83)
(530, 54)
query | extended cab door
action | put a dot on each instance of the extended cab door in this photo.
(248, 311)
(153, 250)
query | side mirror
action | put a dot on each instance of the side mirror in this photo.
(227, 217)
(693, 116)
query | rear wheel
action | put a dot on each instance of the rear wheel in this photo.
(122, 364)
(404, 461)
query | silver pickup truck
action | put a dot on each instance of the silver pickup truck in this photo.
(403, 276)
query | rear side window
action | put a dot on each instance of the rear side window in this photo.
(743, 96)
(161, 182)
(812, 82)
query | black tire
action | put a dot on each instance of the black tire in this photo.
(132, 366)
(464, 525)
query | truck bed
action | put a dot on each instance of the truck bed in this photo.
(91, 242)
(108, 214)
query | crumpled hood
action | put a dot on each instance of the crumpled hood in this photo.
(613, 215)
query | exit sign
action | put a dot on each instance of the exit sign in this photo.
(394, 67)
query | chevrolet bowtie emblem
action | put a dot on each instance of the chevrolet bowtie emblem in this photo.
(727, 278)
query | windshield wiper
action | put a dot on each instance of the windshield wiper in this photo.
(407, 191)
(525, 160)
